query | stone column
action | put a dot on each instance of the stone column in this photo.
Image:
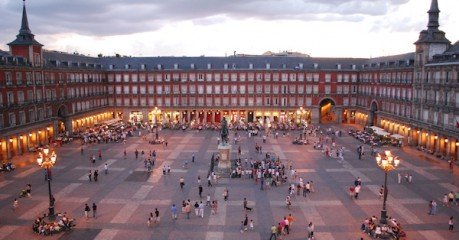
(19, 144)
(188, 116)
(205, 117)
(213, 116)
(8, 148)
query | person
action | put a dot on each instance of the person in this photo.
(310, 230)
(15, 204)
(246, 208)
(174, 212)
(187, 210)
(93, 159)
(209, 181)
(196, 208)
(201, 209)
(90, 175)
(246, 222)
(86, 211)
(82, 151)
(251, 225)
(273, 232)
(94, 210)
(157, 219)
(410, 178)
(290, 220)
(182, 182)
(451, 224)
(96, 175)
(150, 219)
(200, 190)
(100, 155)
(106, 168)
(399, 178)
(192, 158)
(125, 154)
(225, 194)
(29, 190)
(357, 191)
(286, 225)
(208, 200)
(288, 202)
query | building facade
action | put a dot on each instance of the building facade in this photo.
(416, 95)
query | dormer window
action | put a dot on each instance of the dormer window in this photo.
(111, 66)
(338, 66)
(250, 65)
(127, 66)
(192, 65)
(234, 65)
(176, 66)
(300, 65)
(225, 66)
(354, 67)
(159, 67)
(316, 65)
(268, 66)
(143, 67)
(209, 66)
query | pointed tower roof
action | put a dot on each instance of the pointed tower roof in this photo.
(433, 34)
(25, 36)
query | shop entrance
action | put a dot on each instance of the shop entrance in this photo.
(327, 111)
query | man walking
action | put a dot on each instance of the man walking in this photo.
(201, 209)
(182, 182)
(106, 168)
(90, 175)
(94, 210)
(200, 191)
(86, 211)
(174, 212)
(192, 158)
(96, 175)
(273, 232)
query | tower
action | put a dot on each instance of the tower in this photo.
(431, 41)
(25, 44)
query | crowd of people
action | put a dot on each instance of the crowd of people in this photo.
(62, 223)
(392, 229)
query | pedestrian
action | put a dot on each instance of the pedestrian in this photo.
(150, 219)
(96, 175)
(192, 158)
(199, 180)
(310, 230)
(242, 227)
(209, 181)
(90, 175)
(273, 232)
(251, 227)
(201, 209)
(174, 212)
(196, 208)
(94, 210)
(208, 200)
(15, 204)
(451, 224)
(106, 168)
(445, 200)
(200, 190)
(357, 191)
(187, 210)
(287, 226)
(93, 159)
(399, 178)
(86, 211)
(82, 151)
(246, 222)
(157, 219)
(100, 155)
(182, 182)
(225, 194)
(125, 154)
(410, 178)
(29, 190)
(290, 220)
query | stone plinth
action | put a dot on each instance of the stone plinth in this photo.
(224, 164)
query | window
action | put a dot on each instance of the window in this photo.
(316, 89)
(328, 77)
(32, 116)
(12, 119)
(209, 89)
(327, 89)
(20, 97)
(8, 79)
(18, 78)
(242, 89)
(10, 98)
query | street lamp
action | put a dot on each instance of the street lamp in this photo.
(387, 162)
(47, 160)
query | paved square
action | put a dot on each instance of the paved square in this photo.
(127, 194)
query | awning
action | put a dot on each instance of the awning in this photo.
(397, 136)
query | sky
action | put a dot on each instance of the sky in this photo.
(320, 28)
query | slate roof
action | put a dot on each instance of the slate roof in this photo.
(4, 53)
(238, 62)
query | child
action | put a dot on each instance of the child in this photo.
(251, 225)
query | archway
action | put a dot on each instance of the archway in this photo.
(61, 116)
(327, 111)
(373, 116)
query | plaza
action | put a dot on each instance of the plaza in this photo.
(127, 194)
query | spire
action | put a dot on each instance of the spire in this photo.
(25, 36)
(434, 13)
(25, 22)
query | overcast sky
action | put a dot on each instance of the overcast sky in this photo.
(321, 28)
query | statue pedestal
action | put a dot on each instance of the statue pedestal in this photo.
(224, 164)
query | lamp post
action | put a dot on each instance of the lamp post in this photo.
(387, 162)
(47, 160)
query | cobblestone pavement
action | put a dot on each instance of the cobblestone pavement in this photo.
(128, 193)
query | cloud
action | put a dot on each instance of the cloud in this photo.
(120, 17)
